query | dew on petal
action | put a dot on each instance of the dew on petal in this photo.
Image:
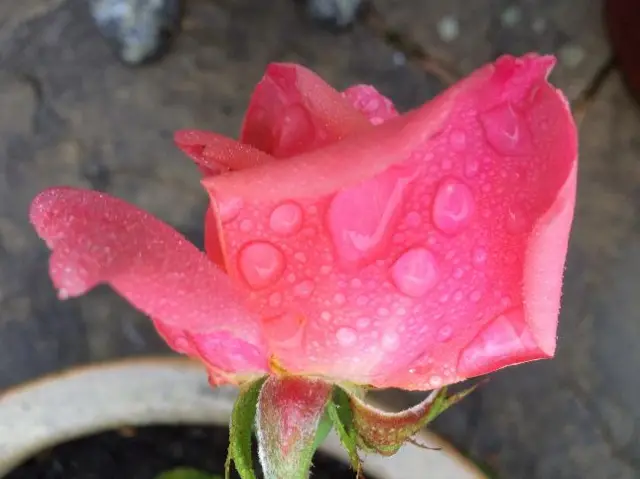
(339, 299)
(414, 219)
(285, 328)
(415, 272)
(479, 256)
(444, 333)
(246, 225)
(390, 341)
(363, 322)
(471, 166)
(286, 219)
(275, 299)
(229, 208)
(435, 381)
(260, 264)
(304, 289)
(458, 140)
(475, 296)
(506, 130)
(458, 273)
(453, 206)
(359, 217)
(325, 315)
(346, 337)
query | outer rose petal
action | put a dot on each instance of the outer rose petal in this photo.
(411, 255)
(293, 110)
(96, 238)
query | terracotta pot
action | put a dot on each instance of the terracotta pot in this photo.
(622, 19)
(164, 391)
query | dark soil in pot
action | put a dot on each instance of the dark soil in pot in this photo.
(144, 453)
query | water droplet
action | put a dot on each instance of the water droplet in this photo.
(275, 300)
(325, 269)
(339, 298)
(362, 300)
(415, 272)
(458, 140)
(457, 297)
(475, 296)
(383, 312)
(414, 219)
(479, 256)
(304, 288)
(359, 217)
(503, 341)
(346, 337)
(286, 219)
(458, 273)
(362, 323)
(390, 341)
(516, 221)
(325, 315)
(435, 381)
(246, 225)
(444, 298)
(471, 166)
(444, 333)
(301, 257)
(506, 130)
(228, 208)
(453, 206)
(356, 283)
(261, 264)
(285, 328)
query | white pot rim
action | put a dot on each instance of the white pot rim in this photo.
(165, 391)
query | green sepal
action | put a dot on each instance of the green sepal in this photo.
(187, 473)
(240, 431)
(384, 433)
(339, 410)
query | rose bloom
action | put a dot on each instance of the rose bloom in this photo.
(347, 242)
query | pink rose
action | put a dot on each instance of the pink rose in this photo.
(347, 242)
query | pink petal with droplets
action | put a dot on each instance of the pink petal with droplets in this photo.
(461, 228)
(96, 239)
(293, 110)
(367, 100)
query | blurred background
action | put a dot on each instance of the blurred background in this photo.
(77, 109)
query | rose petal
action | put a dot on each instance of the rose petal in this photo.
(293, 110)
(412, 255)
(215, 153)
(96, 238)
(371, 103)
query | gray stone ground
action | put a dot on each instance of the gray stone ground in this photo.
(70, 113)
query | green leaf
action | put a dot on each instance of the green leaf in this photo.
(339, 410)
(240, 431)
(187, 473)
(324, 428)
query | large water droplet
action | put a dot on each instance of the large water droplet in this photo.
(261, 264)
(285, 328)
(229, 208)
(346, 337)
(415, 272)
(286, 219)
(360, 217)
(390, 341)
(505, 340)
(506, 130)
(453, 206)
(444, 333)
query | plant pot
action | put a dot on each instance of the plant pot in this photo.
(171, 392)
